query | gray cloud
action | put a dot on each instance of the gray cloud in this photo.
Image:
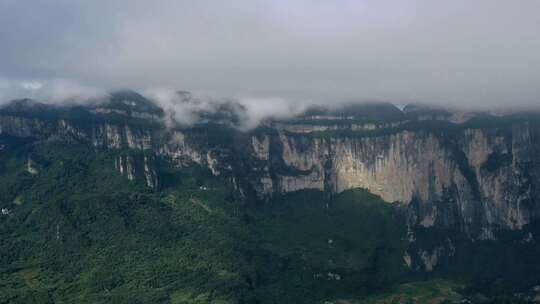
(465, 53)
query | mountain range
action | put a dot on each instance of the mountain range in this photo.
(330, 204)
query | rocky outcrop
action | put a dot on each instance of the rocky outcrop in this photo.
(138, 167)
(32, 167)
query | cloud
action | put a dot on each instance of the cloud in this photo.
(258, 109)
(31, 85)
(48, 91)
(185, 108)
(180, 107)
(462, 53)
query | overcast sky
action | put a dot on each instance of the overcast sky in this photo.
(459, 52)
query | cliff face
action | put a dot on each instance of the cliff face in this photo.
(138, 167)
(475, 178)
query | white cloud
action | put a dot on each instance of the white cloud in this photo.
(259, 109)
(31, 85)
(185, 108)
(48, 91)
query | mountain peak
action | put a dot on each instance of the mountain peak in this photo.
(130, 101)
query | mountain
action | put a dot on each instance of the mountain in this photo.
(333, 203)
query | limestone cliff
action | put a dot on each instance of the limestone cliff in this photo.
(474, 179)
(476, 176)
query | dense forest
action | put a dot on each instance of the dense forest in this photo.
(75, 231)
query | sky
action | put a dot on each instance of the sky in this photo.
(480, 53)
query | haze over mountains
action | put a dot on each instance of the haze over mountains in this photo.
(329, 203)
(263, 152)
(457, 53)
(183, 108)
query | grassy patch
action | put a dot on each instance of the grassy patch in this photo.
(432, 292)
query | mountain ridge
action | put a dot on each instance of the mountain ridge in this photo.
(479, 177)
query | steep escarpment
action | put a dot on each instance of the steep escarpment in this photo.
(330, 204)
(477, 177)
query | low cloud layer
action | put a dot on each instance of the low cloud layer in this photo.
(283, 53)
(186, 108)
(52, 90)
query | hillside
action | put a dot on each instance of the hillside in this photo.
(75, 230)
(109, 203)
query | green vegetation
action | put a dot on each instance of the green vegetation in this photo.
(212, 134)
(376, 112)
(131, 101)
(82, 117)
(78, 232)
(308, 250)
(433, 291)
(434, 126)
(502, 271)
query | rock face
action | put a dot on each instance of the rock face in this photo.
(138, 167)
(475, 177)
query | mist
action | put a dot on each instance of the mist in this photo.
(57, 91)
(187, 108)
(274, 56)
